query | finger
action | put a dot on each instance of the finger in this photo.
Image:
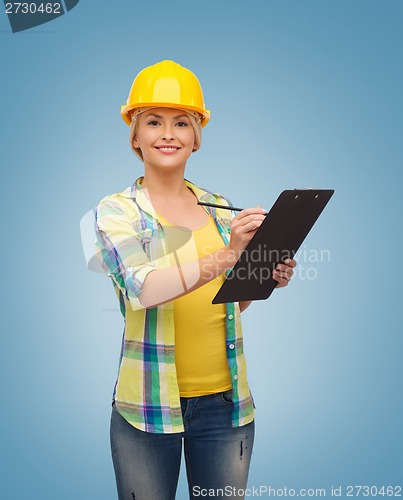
(251, 218)
(250, 211)
(290, 262)
(283, 277)
(252, 226)
(284, 270)
(281, 282)
(240, 228)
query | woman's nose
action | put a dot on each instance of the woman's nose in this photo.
(168, 133)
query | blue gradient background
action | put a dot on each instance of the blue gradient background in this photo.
(303, 93)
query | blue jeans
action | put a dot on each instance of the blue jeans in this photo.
(217, 456)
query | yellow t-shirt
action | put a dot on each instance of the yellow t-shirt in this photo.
(200, 351)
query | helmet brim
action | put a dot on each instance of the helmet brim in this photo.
(126, 111)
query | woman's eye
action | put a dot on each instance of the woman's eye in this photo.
(182, 124)
(153, 123)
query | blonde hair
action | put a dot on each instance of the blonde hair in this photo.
(195, 122)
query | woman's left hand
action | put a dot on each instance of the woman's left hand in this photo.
(283, 272)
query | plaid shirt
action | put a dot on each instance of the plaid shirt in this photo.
(132, 244)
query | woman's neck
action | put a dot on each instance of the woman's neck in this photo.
(167, 185)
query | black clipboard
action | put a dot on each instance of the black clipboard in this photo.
(281, 234)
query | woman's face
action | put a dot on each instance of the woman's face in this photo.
(165, 136)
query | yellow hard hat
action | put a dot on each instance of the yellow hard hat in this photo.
(167, 85)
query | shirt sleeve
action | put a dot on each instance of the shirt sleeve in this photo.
(122, 255)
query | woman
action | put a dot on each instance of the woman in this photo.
(182, 372)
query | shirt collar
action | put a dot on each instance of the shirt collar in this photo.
(139, 194)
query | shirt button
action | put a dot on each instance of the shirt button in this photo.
(129, 269)
(231, 346)
(235, 377)
(230, 316)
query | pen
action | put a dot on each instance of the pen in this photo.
(214, 205)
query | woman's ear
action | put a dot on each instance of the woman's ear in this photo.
(135, 143)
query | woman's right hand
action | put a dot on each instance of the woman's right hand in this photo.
(163, 285)
(243, 227)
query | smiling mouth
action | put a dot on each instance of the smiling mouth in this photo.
(167, 149)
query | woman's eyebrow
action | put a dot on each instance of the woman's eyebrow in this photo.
(160, 117)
